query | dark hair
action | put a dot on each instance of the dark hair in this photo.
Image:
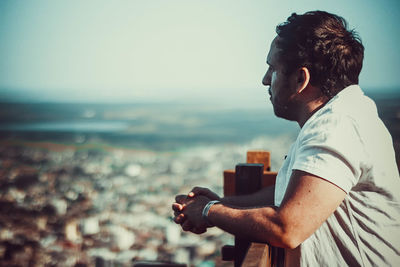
(321, 42)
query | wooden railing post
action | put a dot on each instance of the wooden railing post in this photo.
(247, 178)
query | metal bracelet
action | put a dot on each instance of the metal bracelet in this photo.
(206, 209)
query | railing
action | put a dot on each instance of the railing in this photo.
(248, 178)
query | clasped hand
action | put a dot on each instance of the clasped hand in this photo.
(188, 209)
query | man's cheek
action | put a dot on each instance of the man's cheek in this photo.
(273, 77)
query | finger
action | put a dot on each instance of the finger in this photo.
(175, 220)
(180, 219)
(177, 207)
(187, 226)
(180, 199)
(176, 213)
(199, 191)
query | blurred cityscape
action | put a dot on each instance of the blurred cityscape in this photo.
(94, 195)
(79, 189)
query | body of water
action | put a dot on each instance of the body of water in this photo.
(144, 126)
(157, 126)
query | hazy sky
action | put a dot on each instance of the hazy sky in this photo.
(167, 49)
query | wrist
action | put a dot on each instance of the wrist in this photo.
(206, 210)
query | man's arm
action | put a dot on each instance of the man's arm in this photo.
(308, 202)
(263, 197)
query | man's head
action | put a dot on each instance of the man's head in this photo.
(321, 42)
(316, 48)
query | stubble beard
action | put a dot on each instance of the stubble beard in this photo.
(288, 111)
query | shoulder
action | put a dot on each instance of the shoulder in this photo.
(349, 115)
(331, 146)
(330, 127)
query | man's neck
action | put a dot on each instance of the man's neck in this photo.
(310, 108)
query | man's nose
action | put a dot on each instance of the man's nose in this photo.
(266, 80)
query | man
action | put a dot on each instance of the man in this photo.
(336, 200)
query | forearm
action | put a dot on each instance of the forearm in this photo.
(264, 197)
(257, 224)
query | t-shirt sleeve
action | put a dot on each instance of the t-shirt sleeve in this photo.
(331, 148)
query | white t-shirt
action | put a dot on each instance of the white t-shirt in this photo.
(347, 144)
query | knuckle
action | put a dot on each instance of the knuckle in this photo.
(195, 189)
(176, 207)
(199, 190)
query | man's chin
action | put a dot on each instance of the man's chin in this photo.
(284, 114)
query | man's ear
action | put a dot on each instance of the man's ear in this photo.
(304, 79)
